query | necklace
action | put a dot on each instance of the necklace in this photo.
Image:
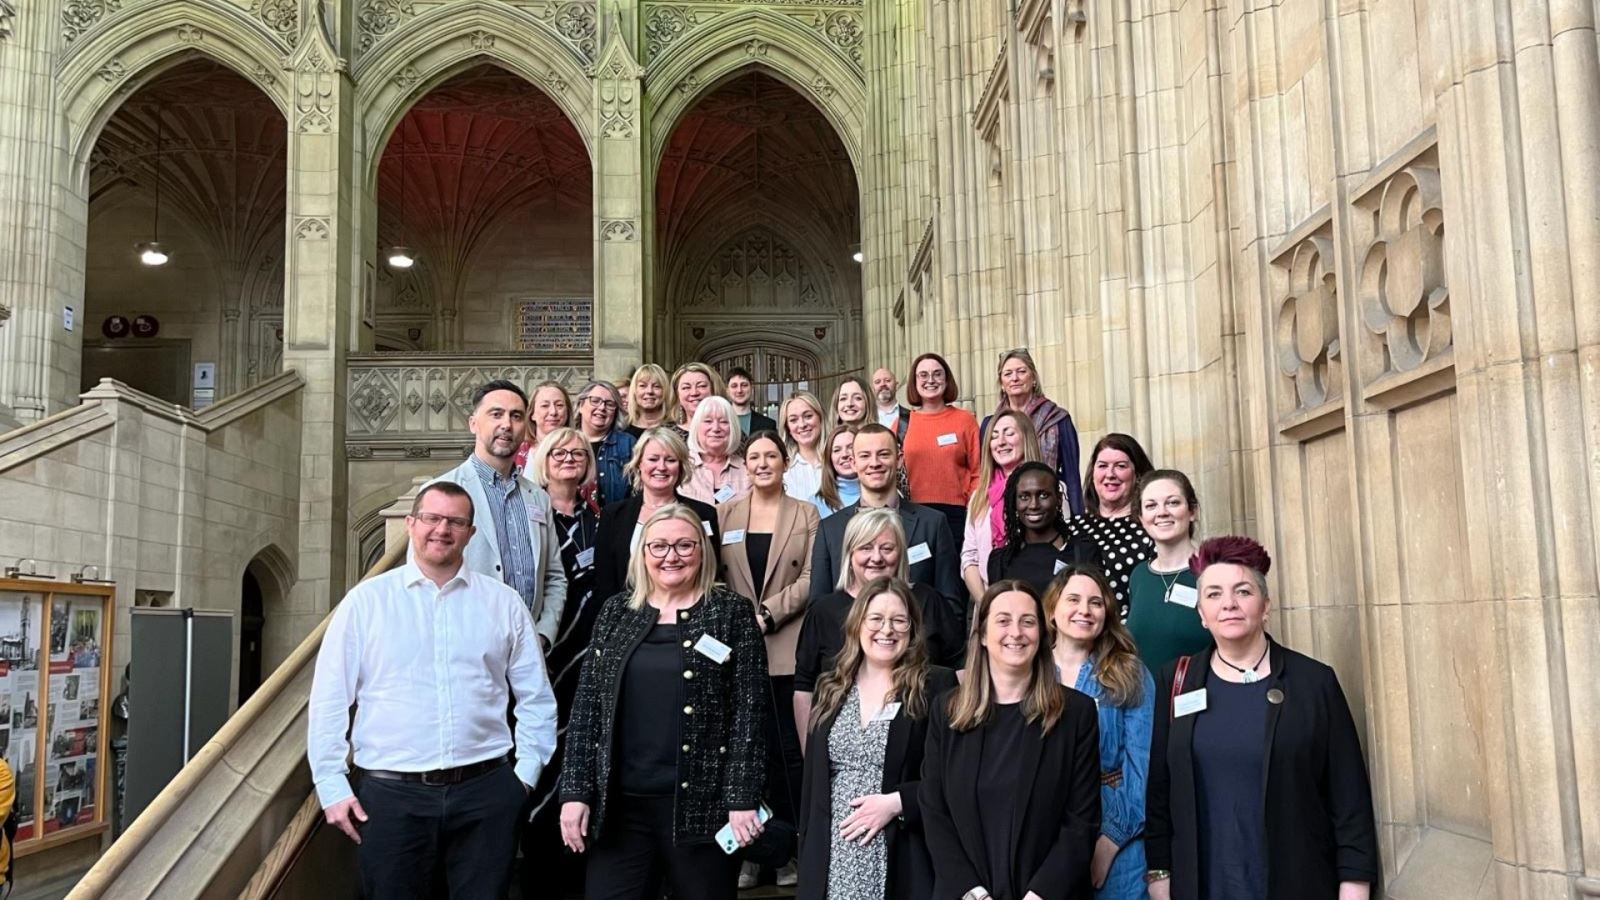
(1167, 583)
(1250, 676)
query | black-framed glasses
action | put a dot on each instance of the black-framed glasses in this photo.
(562, 454)
(660, 549)
(601, 402)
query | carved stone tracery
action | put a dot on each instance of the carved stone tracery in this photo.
(78, 16)
(1404, 288)
(757, 270)
(1307, 335)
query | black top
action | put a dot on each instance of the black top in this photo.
(1315, 802)
(647, 739)
(757, 545)
(822, 634)
(614, 541)
(1228, 740)
(1037, 564)
(997, 777)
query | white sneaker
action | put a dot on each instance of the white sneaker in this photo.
(788, 876)
(748, 873)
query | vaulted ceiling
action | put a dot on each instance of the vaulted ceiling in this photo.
(754, 149)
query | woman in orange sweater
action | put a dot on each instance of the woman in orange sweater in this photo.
(941, 444)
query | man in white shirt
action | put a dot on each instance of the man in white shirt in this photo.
(431, 655)
(891, 414)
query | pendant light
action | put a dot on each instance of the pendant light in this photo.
(151, 252)
(400, 256)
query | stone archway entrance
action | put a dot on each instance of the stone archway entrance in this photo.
(776, 370)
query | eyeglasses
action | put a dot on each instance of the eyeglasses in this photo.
(660, 549)
(876, 622)
(458, 523)
(562, 454)
(601, 402)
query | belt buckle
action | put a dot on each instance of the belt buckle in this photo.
(436, 778)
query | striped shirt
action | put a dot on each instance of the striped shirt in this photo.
(518, 568)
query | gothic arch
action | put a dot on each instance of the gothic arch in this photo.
(686, 269)
(452, 38)
(762, 40)
(136, 45)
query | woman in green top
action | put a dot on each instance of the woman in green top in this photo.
(1161, 591)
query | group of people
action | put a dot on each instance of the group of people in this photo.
(874, 649)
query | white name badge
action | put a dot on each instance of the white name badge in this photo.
(713, 649)
(705, 526)
(586, 558)
(736, 536)
(946, 440)
(723, 493)
(536, 515)
(1059, 566)
(889, 711)
(918, 553)
(1183, 595)
(1190, 703)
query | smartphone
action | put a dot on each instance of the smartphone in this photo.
(725, 838)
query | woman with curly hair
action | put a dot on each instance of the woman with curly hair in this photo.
(1038, 542)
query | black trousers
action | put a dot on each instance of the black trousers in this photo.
(785, 766)
(462, 836)
(635, 859)
(955, 516)
(549, 869)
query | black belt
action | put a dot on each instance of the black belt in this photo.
(440, 777)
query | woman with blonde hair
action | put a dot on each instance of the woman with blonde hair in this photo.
(860, 819)
(805, 434)
(665, 745)
(647, 399)
(1011, 779)
(1010, 441)
(1095, 655)
(692, 383)
(716, 470)
(549, 408)
(658, 470)
(1018, 380)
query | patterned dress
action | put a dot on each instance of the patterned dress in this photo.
(855, 757)
(1123, 545)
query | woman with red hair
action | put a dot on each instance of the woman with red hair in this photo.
(1258, 790)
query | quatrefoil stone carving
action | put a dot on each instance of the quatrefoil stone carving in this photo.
(1405, 292)
(1307, 339)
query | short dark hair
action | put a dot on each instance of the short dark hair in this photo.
(913, 398)
(736, 372)
(872, 428)
(489, 387)
(447, 488)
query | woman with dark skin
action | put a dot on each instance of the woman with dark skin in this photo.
(1038, 542)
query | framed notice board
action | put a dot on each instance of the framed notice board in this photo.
(55, 646)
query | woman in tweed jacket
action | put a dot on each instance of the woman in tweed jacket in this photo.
(665, 745)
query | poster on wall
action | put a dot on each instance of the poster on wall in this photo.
(21, 617)
(73, 719)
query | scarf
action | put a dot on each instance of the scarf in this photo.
(997, 510)
(1047, 418)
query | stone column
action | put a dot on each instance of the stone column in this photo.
(1519, 138)
(619, 202)
(318, 313)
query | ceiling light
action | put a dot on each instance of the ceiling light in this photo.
(153, 253)
(855, 252)
(401, 257)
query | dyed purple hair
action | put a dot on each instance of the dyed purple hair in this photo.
(1235, 549)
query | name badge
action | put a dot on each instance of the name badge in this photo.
(536, 515)
(919, 553)
(1190, 703)
(1183, 595)
(1059, 566)
(713, 649)
(723, 493)
(586, 558)
(889, 711)
(706, 526)
(736, 536)
(946, 440)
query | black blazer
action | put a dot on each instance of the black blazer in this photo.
(1318, 802)
(940, 571)
(1055, 810)
(822, 634)
(910, 869)
(612, 543)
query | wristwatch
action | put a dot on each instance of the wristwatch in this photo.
(1154, 875)
(977, 893)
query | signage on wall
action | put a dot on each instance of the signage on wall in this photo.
(146, 325)
(67, 318)
(115, 327)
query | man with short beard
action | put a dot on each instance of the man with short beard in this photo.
(931, 552)
(891, 414)
(515, 538)
(431, 655)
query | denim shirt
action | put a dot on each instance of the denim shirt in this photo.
(612, 456)
(1125, 746)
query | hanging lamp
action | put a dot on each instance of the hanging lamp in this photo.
(401, 256)
(152, 252)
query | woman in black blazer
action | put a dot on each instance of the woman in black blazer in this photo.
(1258, 789)
(876, 700)
(1011, 779)
(658, 468)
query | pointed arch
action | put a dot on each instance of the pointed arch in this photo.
(761, 40)
(135, 45)
(450, 39)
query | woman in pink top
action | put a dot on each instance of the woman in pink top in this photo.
(1011, 441)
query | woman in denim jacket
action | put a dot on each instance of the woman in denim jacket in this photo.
(1095, 655)
(600, 420)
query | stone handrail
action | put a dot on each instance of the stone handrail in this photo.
(413, 405)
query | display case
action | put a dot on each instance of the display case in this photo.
(55, 643)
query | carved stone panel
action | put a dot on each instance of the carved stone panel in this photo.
(1404, 288)
(757, 270)
(1306, 337)
(423, 400)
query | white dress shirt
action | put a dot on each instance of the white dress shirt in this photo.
(802, 480)
(428, 670)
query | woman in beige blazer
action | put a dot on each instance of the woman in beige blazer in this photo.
(766, 557)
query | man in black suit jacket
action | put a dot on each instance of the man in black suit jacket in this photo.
(932, 554)
(740, 391)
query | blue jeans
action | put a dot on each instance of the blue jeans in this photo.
(1125, 881)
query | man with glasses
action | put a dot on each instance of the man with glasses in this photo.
(431, 655)
(514, 531)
